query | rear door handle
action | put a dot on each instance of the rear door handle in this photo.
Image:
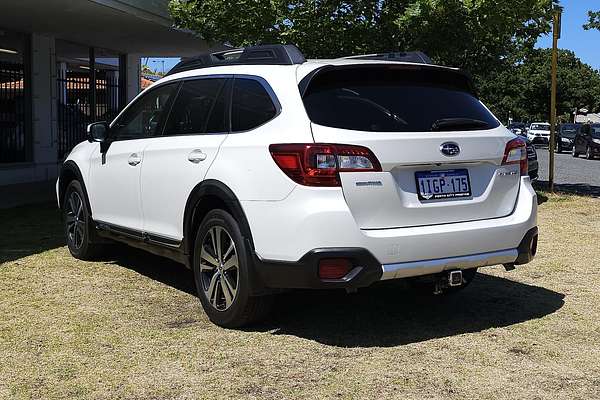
(134, 159)
(196, 156)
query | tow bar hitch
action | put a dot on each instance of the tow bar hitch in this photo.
(455, 278)
(451, 279)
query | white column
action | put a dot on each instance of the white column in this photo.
(133, 75)
(43, 85)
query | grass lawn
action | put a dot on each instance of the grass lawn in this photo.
(132, 328)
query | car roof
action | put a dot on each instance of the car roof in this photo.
(301, 70)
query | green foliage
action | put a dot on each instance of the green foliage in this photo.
(594, 20)
(493, 40)
(477, 35)
(524, 89)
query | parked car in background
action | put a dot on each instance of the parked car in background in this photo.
(565, 136)
(518, 128)
(539, 133)
(532, 161)
(587, 141)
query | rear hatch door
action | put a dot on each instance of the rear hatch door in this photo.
(440, 149)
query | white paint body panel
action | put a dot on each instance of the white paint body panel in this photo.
(312, 218)
(395, 203)
(114, 187)
(168, 178)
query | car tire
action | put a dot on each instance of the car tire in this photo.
(221, 265)
(77, 223)
(427, 285)
(574, 152)
(588, 153)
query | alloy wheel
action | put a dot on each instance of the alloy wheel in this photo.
(219, 268)
(75, 221)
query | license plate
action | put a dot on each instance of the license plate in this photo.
(447, 184)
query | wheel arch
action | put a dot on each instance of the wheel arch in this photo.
(69, 172)
(206, 196)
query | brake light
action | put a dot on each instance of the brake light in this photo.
(317, 164)
(516, 153)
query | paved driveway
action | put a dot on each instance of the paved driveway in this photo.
(570, 173)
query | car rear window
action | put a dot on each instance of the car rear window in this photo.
(393, 99)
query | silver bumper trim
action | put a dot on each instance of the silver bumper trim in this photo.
(426, 267)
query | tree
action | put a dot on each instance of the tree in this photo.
(594, 20)
(478, 35)
(523, 89)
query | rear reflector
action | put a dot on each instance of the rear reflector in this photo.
(516, 153)
(334, 268)
(317, 164)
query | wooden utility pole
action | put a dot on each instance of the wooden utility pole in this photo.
(552, 145)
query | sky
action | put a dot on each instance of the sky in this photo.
(156, 63)
(585, 44)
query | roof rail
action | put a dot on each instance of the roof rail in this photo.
(410, 56)
(271, 54)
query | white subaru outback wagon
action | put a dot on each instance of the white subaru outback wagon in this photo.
(262, 171)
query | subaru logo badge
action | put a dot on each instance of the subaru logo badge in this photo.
(449, 149)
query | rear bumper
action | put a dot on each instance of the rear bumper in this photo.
(304, 274)
(317, 218)
(290, 230)
(366, 270)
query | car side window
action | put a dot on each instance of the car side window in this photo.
(144, 118)
(251, 105)
(199, 108)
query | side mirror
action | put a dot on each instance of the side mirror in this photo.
(97, 132)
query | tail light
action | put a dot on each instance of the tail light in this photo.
(516, 153)
(317, 164)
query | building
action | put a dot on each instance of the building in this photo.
(66, 63)
(588, 118)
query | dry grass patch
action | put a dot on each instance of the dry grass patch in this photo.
(131, 328)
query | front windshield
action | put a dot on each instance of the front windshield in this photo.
(540, 127)
(569, 130)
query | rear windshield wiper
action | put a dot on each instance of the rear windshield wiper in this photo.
(457, 124)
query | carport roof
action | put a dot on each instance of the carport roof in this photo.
(126, 26)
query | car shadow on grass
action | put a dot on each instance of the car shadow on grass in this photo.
(390, 315)
(383, 315)
(29, 230)
(157, 268)
(386, 314)
(582, 189)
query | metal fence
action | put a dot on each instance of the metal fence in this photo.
(76, 94)
(13, 115)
